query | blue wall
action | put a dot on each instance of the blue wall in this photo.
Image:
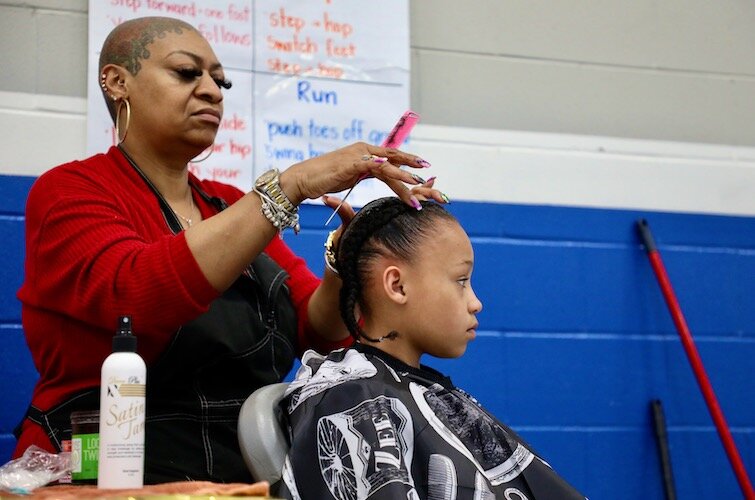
(17, 372)
(575, 339)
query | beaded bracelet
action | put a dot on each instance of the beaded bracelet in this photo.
(278, 216)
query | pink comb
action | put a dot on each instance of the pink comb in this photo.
(394, 139)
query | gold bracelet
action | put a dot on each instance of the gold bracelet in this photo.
(276, 206)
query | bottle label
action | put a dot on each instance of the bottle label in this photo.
(124, 412)
(84, 453)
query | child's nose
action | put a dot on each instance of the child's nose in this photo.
(475, 306)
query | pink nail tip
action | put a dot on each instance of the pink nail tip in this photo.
(424, 163)
(379, 160)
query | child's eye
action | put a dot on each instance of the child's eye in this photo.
(463, 282)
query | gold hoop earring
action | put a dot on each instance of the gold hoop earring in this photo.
(118, 119)
(211, 148)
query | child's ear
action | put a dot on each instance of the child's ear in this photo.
(393, 284)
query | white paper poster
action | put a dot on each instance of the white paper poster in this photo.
(308, 77)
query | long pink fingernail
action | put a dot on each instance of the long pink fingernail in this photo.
(379, 160)
(429, 180)
(423, 163)
(415, 202)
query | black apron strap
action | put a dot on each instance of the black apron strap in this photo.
(56, 422)
(32, 413)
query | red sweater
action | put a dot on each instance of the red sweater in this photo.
(97, 247)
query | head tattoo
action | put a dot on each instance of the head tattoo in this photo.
(128, 44)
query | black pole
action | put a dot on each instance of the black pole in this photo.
(659, 421)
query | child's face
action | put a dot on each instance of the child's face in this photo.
(441, 300)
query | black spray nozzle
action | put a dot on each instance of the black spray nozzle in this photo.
(124, 340)
(124, 325)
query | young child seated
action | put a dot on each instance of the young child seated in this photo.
(370, 421)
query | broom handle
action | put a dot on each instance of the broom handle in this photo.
(694, 358)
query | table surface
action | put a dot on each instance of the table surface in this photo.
(181, 490)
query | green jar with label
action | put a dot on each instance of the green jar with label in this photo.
(85, 446)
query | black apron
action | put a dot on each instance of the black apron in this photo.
(247, 339)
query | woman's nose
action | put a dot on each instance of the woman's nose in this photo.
(208, 88)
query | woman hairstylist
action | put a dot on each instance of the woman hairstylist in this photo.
(221, 306)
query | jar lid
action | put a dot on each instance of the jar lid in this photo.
(85, 417)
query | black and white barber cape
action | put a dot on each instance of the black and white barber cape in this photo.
(365, 425)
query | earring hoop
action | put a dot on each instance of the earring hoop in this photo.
(211, 148)
(121, 102)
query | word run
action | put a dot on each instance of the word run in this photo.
(306, 93)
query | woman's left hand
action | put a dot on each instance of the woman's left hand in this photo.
(343, 168)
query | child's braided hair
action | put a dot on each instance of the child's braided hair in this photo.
(388, 227)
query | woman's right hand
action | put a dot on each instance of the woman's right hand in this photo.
(344, 167)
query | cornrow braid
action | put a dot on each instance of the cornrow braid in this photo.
(386, 226)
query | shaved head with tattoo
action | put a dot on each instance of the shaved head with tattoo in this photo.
(128, 44)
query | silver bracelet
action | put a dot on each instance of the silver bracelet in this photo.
(278, 216)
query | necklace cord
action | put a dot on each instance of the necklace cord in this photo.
(170, 215)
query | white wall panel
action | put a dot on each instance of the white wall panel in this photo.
(40, 132)
(62, 53)
(493, 92)
(18, 50)
(688, 35)
(552, 169)
(65, 5)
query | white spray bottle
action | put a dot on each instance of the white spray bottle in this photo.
(122, 413)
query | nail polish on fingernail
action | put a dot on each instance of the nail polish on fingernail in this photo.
(379, 160)
(415, 203)
(418, 178)
(445, 197)
(429, 180)
(423, 163)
